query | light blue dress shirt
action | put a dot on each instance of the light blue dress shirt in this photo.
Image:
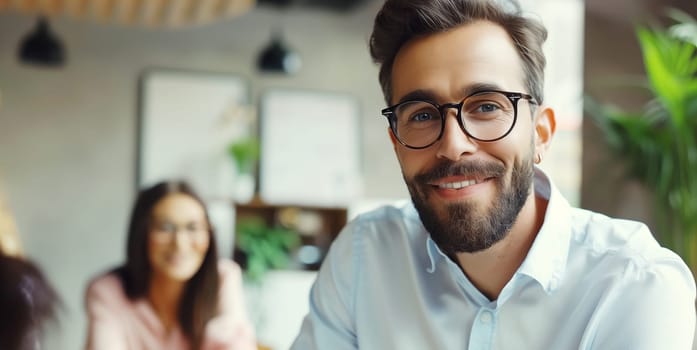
(588, 282)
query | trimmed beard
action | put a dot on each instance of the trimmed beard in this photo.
(463, 227)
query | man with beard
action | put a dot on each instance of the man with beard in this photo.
(490, 255)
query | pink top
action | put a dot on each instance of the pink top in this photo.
(118, 323)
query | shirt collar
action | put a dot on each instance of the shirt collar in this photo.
(434, 253)
(546, 260)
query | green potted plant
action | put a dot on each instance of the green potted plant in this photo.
(659, 143)
(260, 247)
(245, 153)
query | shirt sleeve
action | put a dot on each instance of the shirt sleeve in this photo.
(653, 309)
(330, 323)
(104, 331)
(231, 329)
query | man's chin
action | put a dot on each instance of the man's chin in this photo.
(444, 209)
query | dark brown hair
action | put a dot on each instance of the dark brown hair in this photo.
(27, 301)
(199, 302)
(400, 21)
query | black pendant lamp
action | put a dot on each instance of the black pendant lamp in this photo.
(278, 58)
(41, 47)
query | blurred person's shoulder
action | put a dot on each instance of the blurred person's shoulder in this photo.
(230, 285)
(228, 267)
(106, 288)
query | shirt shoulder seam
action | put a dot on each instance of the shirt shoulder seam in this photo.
(356, 256)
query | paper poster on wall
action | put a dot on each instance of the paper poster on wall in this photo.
(187, 120)
(310, 148)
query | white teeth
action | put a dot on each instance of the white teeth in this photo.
(458, 185)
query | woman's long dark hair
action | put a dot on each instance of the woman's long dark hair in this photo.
(199, 301)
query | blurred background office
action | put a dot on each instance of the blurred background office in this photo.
(76, 142)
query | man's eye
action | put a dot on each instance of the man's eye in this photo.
(487, 108)
(421, 117)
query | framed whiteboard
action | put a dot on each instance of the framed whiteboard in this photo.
(310, 148)
(186, 121)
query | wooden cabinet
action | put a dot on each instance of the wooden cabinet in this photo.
(315, 226)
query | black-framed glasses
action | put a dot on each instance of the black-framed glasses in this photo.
(165, 232)
(485, 116)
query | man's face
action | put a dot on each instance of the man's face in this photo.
(468, 193)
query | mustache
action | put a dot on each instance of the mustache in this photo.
(470, 168)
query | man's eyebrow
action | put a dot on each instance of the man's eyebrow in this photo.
(428, 95)
(422, 95)
(479, 87)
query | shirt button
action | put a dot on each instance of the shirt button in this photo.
(553, 284)
(485, 317)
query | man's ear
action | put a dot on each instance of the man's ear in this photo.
(395, 144)
(545, 127)
(392, 137)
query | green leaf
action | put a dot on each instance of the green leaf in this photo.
(266, 247)
(656, 50)
(659, 144)
(245, 153)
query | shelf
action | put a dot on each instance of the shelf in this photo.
(316, 227)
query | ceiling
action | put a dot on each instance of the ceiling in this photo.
(335, 5)
(152, 13)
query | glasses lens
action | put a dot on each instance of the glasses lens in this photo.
(418, 123)
(488, 115)
(164, 232)
(165, 228)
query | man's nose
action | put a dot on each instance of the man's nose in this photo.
(455, 142)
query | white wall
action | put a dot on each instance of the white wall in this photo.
(67, 136)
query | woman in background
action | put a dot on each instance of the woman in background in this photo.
(27, 299)
(172, 292)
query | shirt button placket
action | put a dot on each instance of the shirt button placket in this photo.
(482, 332)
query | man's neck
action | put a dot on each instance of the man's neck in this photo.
(491, 269)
